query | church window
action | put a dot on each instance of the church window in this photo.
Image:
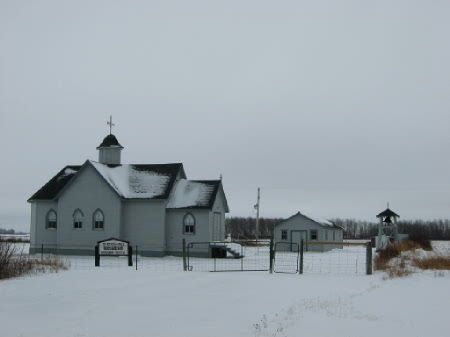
(51, 219)
(189, 224)
(77, 219)
(99, 219)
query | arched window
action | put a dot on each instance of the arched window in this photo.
(98, 219)
(188, 224)
(51, 219)
(78, 219)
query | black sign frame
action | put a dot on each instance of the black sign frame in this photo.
(129, 253)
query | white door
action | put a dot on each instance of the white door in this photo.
(296, 238)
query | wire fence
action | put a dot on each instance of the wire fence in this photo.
(228, 256)
(345, 258)
(278, 257)
(281, 257)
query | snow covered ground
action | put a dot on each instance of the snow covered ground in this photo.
(115, 300)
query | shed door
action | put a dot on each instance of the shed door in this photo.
(296, 238)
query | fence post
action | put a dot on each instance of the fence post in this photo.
(271, 256)
(242, 257)
(369, 259)
(97, 256)
(130, 256)
(184, 255)
(136, 253)
(300, 270)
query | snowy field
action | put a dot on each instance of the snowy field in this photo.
(160, 300)
(17, 237)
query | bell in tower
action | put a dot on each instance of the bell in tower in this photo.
(387, 228)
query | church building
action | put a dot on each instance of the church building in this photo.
(153, 206)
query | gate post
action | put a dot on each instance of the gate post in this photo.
(130, 256)
(184, 255)
(369, 259)
(300, 270)
(271, 256)
(97, 256)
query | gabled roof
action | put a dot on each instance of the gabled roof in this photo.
(51, 189)
(320, 221)
(140, 181)
(388, 213)
(133, 181)
(200, 194)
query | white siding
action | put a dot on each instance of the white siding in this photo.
(302, 223)
(143, 225)
(87, 192)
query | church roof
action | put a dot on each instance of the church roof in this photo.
(140, 181)
(194, 194)
(110, 141)
(51, 189)
(133, 181)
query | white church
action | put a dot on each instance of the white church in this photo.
(153, 206)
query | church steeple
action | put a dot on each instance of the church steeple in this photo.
(110, 148)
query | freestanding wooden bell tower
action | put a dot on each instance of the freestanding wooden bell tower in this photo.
(387, 228)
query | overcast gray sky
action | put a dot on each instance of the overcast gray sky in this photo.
(331, 107)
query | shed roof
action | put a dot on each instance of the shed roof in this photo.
(319, 220)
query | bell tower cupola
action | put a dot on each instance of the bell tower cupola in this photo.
(110, 149)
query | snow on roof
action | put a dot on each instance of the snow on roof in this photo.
(319, 220)
(56, 184)
(69, 171)
(189, 193)
(129, 182)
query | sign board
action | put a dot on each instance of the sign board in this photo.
(113, 247)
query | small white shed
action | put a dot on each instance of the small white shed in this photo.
(315, 233)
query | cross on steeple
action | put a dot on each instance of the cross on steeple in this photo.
(111, 124)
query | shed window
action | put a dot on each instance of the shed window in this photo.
(313, 234)
(78, 219)
(99, 219)
(51, 219)
(189, 224)
(284, 235)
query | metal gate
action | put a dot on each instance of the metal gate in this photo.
(286, 257)
(223, 256)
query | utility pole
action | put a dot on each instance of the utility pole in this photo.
(257, 215)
